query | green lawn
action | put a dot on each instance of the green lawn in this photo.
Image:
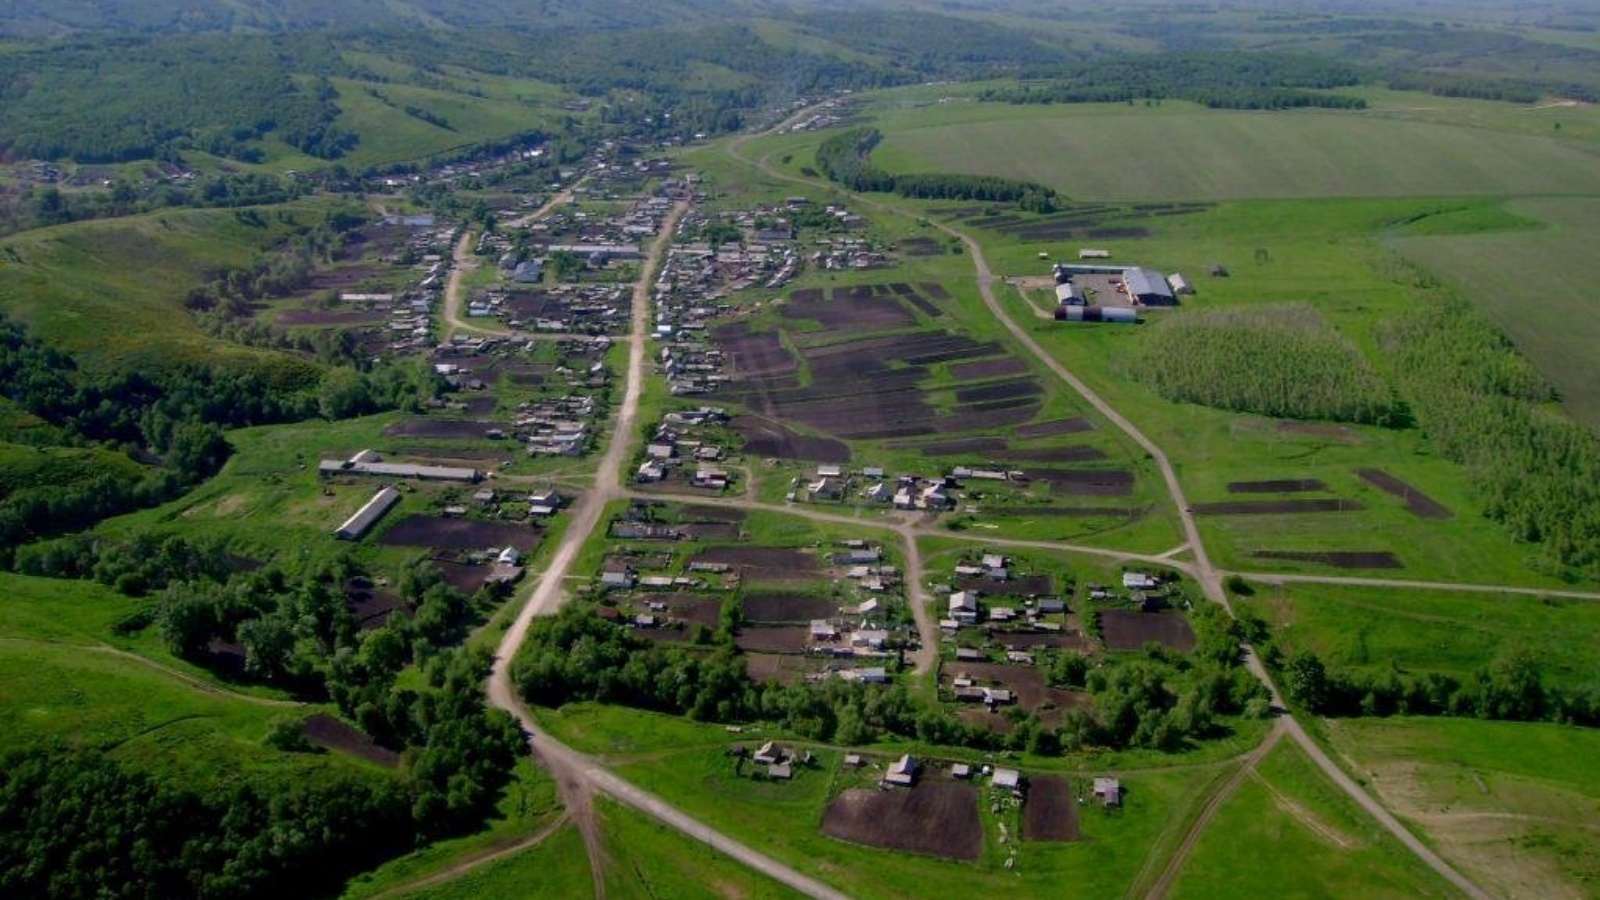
(1288, 832)
(648, 860)
(555, 867)
(1180, 151)
(1511, 804)
(1537, 285)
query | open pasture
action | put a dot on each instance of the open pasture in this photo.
(1181, 151)
(936, 818)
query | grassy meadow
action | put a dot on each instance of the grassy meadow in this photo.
(1181, 151)
(1288, 832)
(555, 867)
(1511, 804)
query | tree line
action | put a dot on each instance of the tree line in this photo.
(1281, 361)
(1482, 405)
(1216, 80)
(846, 158)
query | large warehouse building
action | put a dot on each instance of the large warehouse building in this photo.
(1149, 287)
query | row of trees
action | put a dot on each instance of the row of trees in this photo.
(847, 159)
(1535, 470)
(1283, 361)
(1217, 80)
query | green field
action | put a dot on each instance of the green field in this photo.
(646, 860)
(1179, 151)
(111, 292)
(390, 134)
(1288, 832)
(1511, 804)
(1537, 285)
(1371, 630)
(555, 867)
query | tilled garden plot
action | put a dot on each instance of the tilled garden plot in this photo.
(695, 609)
(773, 640)
(936, 818)
(1027, 586)
(786, 608)
(988, 368)
(1085, 482)
(458, 534)
(1277, 507)
(1279, 486)
(764, 563)
(1051, 811)
(441, 429)
(1124, 629)
(1417, 503)
(1338, 559)
(764, 437)
(1054, 427)
(331, 734)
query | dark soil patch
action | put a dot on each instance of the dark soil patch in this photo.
(1054, 427)
(773, 640)
(665, 635)
(1125, 629)
(1085, 482)
(1315, 429)
(764, 563)
(371, 607)
(936, 818)
(440, 429)
(752, 355)
(458, 534)
(1417, 503)
(464, 577)
(693, 609)
(920, 246)
(764, 437)
(862, 308)
(714, 514)
(331, 734)
(1051, 811)
(988, 368)
(780, 668)
(1026, 682)
(1004, 390)
(1280, 486)
(1276, 507)
(1030, 586)
(712, 531)
(1370, 559)
(298, 317)
(934, 289)
(1028, 640)
(786, 608)
(807, 295)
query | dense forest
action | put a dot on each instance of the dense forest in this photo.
(1281, 361)
(846, 158)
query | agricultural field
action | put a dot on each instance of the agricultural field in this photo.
(1534, 283)
(1288, 832)
(1370, 631)
(1184, 152)
(1512, 804)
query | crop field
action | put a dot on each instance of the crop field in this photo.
(1511, 804)
(1543, 302)
(1178, 151)
(1287, 831)
(936, 818)
(1361, 629)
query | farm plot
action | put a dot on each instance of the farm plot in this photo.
(371, 607)
(934, 818)
(786, 608)
(1278, 486)
(1125, 629)
(951, 447)
(1417, 503)
(726, 514)
(1353, 559)
(712, 531)
(1066, 512)
(1085, 482)
(858, 308)
(295, 318)
(753, 355)
(1032, 640)
(1277, 507)
(1051, 811)
(773, 640)
(780, 668)
(1079, 453)
(440, 429)
(764, 437)
(764, 563)
(458, 534)
(331, 734)
(464, 577)
(691, 609)
(988, 368)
